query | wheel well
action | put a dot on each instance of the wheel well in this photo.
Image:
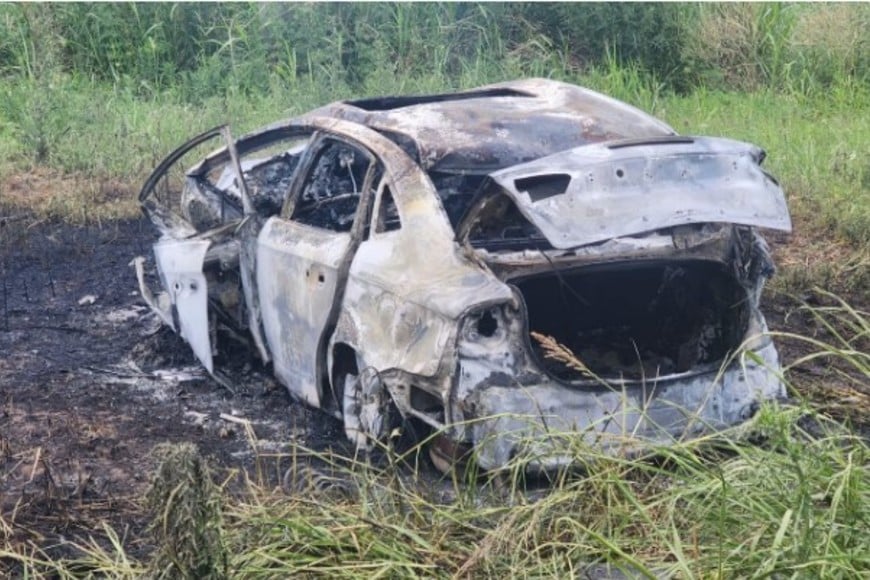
(343, 362)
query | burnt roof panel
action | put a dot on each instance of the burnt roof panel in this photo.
(501, 125)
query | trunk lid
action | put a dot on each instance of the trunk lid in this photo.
(597, 192)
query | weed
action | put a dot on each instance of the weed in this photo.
(187, 517)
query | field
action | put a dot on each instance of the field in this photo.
(118, 457)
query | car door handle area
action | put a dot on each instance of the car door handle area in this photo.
(298, 271)
(315, 275)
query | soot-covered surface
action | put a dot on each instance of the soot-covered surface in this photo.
(90, 383)
(640, 319)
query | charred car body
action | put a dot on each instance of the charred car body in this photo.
(426, 257)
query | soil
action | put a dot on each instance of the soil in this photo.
(90, 383)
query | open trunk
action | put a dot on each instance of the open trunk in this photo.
(639, 319)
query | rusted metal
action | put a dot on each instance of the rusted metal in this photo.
(392, 258)
(522, 121)
(610, 192)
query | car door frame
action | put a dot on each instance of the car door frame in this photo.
(183, 248)
(313, 388)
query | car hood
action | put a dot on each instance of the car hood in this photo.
(597, 192)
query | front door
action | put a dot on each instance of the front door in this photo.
(303, 258)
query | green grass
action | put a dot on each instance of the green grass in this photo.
(816, 146)
(104, 91)
(794, 504)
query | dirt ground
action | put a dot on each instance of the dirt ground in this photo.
(90, 383)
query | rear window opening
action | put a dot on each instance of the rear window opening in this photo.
(638, 320)
(389, 103)
(501, 226)
(456, 191)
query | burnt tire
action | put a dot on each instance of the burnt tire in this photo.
(367, 408)
(448, 456)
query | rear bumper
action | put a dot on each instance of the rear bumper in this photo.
(545, 423)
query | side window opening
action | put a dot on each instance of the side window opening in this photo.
(269, 180)
(456, 191)
(331, 192)
(388, 214)
(214, 197)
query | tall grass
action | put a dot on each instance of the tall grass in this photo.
(793, 502)
(105, 90)
(203, 50)
(792, 47)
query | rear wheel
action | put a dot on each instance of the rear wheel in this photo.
(367, 408)
(449, 456)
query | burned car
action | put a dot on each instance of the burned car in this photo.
(430, 257)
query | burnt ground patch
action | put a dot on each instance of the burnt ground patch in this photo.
(90, 383)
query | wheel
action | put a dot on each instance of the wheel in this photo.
(368, 410)
(448, 456)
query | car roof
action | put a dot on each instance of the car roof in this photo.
(499, 125)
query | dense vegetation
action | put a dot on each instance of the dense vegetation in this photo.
(207, 50)
(93, 95)
(101, 91)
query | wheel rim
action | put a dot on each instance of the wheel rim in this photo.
(447, 455)
(364, 406)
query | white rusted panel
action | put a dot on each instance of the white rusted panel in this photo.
(297, 278)
(540, 421)
(180, 265)
(405, 291)
(617, 190)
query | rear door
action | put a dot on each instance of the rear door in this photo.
(303, 257)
